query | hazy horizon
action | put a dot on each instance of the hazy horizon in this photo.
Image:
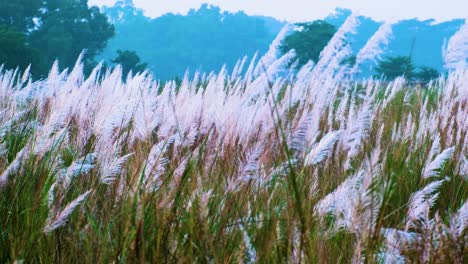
(304, 10)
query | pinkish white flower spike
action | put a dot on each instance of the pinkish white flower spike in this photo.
(112, 168)
(13, 166)
(155, 166)
(420, 204)
(336, 44)
(435, 148)
(273, 53)
(432, 169)
(396, 241)
(459, 221)
(375, 45)
(250, 169)
(60, 219)
(464, 168)
(82, 165)
(323, 149)
(251, 252)
(455, 51)
(299, 138)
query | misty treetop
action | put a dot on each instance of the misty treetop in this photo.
(38, 32)
(208, 38)
(129, 61)
(14, 52)
(308, 40)
(59, 29)
(204, 39)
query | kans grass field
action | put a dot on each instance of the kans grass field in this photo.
(259, 164)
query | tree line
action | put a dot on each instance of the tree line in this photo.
(311, 38)
(204, 39)
(38, 32)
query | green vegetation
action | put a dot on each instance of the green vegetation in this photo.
(308, 40)
(101, 166)
(203, 40)
(394, 67)
(426, 74)
(14, 52)
(60, 30)
(129, 61)
(105, 171)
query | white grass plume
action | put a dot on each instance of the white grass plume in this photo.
(337, 43)
(60, 219)
(111, 169)
(251, 166)
(81, 165)
(155, 166)
(251, 252)
(273, 52)
(323, 149)
(298, 139)
(13, 166)
(421, 202)
(396, 241)
(459, 222)
(455, 51)
(375, 45)
(432, 169)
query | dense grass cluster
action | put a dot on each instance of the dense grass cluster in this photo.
(266, 166)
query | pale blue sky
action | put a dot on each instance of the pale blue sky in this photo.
(301, 10)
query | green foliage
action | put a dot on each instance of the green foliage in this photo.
(201, 211)
(59, 29)
(204, 39)
(309, 40)
(394, 67)
(426, 74)
(69, 27)
(130, 61)
(19, 14)
(14, 52)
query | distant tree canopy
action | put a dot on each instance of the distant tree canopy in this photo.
(426, 74)
(14, 52)
(59, 29)
(309, 40)
(20, 14)
(394, 67)
(204, 39)
(130, 61)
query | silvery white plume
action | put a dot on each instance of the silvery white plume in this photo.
(432, 169)
(250, 169)
(13, 166)
(374, 46)
(155, 166)
(435, 148)
(299, 136)
(273, 52)
(421, 202)
(251, 252)
(111, 169)
(81, 165)
(395, 242)
(323, 149)
(455, 51)
(60, 219)
(459, 221)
